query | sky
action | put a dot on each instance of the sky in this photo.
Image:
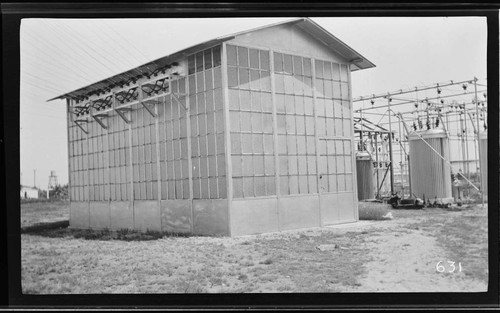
(61, 55)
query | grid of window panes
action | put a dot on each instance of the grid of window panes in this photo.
(78, 164)
(251, 122)
(335, 165)
(332, 99)
(119, 158)
(174, 144)
(207, 124)
(96, 162)
(295, 124)
(143, 154)
(334, 126)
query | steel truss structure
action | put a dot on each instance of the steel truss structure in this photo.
(384, 121)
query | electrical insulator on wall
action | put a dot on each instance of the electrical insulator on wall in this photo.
(372, 101)
(439, 90)
(414, 126)
(420, 125)
(464, 86)
(428, 124)
(416, 105)
(442, 101)
(437, 122)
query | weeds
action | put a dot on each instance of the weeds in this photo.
(372, 211)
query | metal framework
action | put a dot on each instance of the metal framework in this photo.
(459, 107)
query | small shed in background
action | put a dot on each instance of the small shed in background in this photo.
(247, 133)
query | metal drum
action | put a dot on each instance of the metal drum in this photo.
(364, 168)
(430, 174)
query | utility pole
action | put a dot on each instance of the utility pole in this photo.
(34, 178)
(478, 140)
(390, 142)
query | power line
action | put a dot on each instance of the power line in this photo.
(56, 51)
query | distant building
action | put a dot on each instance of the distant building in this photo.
(247, 133)
(29, 192)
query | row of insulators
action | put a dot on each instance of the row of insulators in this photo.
(428, 124)
(123, 83)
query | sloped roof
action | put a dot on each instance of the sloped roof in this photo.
(333, 43)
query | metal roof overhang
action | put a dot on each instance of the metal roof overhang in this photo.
(140, 70)
(358, 62)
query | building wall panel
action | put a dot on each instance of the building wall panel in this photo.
(254, 216)
(298, 212)
(79, 212)
(99, 215)
(210, 217)
(147, 215)
(176, 216)
(122, 215)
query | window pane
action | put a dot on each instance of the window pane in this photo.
(293, 183)
(233, 99)
(264, 60)
(336, 71)
(279, 83)
(327, 70)
(280, 103)
(254, 80)
(232, 76)
(288, 64)
(307, 67)
(244, 78)
(243, 56)
(199, 61)
(266, 101)
(318, 66)
(254, 58)
(260, 186)
(238, 187)
(278, 62)
(265, 81)
(270, 186)
(207, 55)
(303, 188)
(248, 187)
(216, 56)
(235, 144)
(191, 64)
(297, 65)
(284, 189)
(245, 104)
(343, 72)
(231, 55)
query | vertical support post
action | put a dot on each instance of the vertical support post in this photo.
(316, 136)
(354, 178)
(401, 164)
(190, 161)
(131, 168)
(70, 160)
(275, 134)
(389, 113)
(227, 124)
(158, 167)
(377, 167)
(480, 174)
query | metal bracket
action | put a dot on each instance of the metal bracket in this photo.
(98, 117)
(153, 114)
(177, 99)
(77, 122)
(120, 111)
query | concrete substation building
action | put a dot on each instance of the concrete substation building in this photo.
(247, 133)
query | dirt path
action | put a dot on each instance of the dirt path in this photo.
(404, 259)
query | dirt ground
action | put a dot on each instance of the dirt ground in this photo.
(406, 252)
(398, 255)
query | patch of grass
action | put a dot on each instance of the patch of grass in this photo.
(372, 211)
(266, 261)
